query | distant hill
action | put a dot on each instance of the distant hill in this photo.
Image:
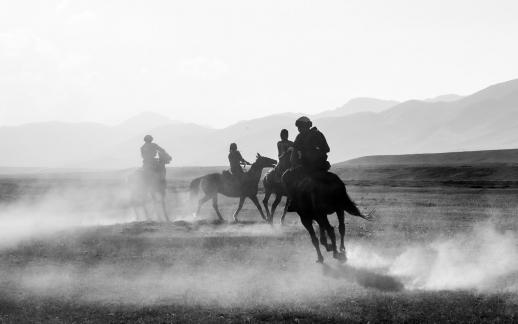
(477, 169)
(449, 158)
(445, 98)
(485, 120)
(358, 105)
(146, 121)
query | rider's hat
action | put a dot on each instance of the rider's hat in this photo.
(148, 138)
(303, 121)
(233, 146)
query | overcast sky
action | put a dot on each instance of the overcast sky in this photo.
(217, 62)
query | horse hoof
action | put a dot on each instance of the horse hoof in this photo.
(320, 260)
(340, 256)
(329, 247)
(342, 249)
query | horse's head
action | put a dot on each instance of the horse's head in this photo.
(264, 162)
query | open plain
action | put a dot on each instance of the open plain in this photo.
(72, 250)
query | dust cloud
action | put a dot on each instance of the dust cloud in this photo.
(484, 259)
(36, 213)
(115, 259)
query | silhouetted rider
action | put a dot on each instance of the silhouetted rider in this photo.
(149, 152)
(284, 153)
(309, 157)
(310, 147)
(235, 159)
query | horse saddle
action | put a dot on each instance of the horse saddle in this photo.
(232, 181)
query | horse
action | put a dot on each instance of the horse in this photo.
(150, 184)
(228, 185)
(320, 195)
(272, 184)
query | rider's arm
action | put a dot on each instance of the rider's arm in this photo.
(323, 143)
(296, 154)
(243, 160)
(159, 149)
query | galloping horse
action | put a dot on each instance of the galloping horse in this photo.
(318, 196)
(272, 184)
(150, 184)
(214, 183)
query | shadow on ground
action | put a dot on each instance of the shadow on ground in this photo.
(365, 278)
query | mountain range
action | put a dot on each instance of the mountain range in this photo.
(484, 120)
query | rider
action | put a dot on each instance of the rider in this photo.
(309, 156)
(235, 159)
(283, 147)
(311, 147)
(149, 152)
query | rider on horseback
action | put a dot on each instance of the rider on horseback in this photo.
(284, 148)
(235, 159)
(149, 152)
(309, 156)
(311, 147)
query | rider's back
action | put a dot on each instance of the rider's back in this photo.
(235, 158)
(149, 151)
(314, 148)
(283, 148)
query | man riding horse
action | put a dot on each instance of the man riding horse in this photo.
(272, 180)
(149, 182)
(284, 147)
(315, 192)
(309, 156)
(236, 160)
(150, 163)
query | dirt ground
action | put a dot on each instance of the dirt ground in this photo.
(78, 253)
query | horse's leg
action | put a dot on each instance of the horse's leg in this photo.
(323, 238)
(241, 202)
(135, 203)
(201, 202)
(275, 204)
(215, 205)
(146, 212)
(256, 203)
(164, 207)
(341, 228)
(308, 224)
(156, 212)
(285, 210)
(134, 206)
(267, 195)
(331, 231)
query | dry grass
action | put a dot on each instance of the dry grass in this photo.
(202, 272)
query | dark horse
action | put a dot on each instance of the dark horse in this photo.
(214, 183)
(151, 184)
(272, 184)
(318, 196)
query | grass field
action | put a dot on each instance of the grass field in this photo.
(73, 251)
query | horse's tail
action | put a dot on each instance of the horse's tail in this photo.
(194, 187)
(351, 208)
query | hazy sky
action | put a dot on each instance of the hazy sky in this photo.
(217, 62)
